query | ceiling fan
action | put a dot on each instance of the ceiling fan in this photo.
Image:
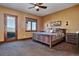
(37, 6)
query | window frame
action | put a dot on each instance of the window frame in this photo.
(31, 20)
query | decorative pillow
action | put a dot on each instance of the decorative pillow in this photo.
(56, 29)
(51, 31)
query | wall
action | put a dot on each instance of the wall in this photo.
(21, 22)
(71, 15)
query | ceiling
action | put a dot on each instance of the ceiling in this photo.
(51, 7)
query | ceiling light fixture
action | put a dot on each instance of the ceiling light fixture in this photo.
(36, 7)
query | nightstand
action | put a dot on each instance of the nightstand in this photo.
(72, 38)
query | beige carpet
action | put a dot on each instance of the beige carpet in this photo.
(31, 48)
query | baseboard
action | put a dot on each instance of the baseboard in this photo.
(1, 41)
(17, 40)
(25, 38)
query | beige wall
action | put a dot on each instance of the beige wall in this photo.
(71, 15)
(21, 22)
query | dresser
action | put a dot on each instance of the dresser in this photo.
(72, 38)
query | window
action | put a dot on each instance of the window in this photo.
(31, 24)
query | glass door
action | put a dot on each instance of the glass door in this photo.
(10, 27)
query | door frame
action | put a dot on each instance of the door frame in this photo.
(16, 24)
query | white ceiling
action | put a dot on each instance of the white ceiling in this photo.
(51, 7)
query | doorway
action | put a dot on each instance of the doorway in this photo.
(10, 22)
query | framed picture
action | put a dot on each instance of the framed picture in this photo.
(55, 23)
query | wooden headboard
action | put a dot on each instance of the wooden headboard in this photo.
(64, 31)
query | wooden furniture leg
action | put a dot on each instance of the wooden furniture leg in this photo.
(50, 38)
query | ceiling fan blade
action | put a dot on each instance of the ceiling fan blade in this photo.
(44, 7)
(37, 9)
(36, 4)
(39, 3)
(30, 7)
(32, 3)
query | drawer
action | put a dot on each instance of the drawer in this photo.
(71, 35)
(72, 38)
(72, 41)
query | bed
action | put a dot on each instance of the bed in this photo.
(50, 38)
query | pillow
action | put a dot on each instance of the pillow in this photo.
(51, 31)
(56, 29)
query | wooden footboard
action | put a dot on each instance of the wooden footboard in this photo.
(47, 38)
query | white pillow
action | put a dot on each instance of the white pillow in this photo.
(51, 31)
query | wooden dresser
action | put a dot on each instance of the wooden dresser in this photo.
(72, 38)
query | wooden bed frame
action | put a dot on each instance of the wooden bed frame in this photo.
(47, 38)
